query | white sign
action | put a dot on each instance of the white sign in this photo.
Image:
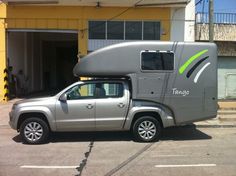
(175, 91)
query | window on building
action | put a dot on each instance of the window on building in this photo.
(115, 30)
(133, 30)
(151, 30)
(97, 29)
(157, 60)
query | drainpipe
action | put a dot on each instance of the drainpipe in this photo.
(211, 21)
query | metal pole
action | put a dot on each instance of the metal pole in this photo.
(211, 21)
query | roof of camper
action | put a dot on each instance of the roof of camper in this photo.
(123, 58)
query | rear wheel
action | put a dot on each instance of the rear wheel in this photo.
(34, 131)
(147, 129)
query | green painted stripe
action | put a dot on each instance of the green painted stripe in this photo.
(190, 60)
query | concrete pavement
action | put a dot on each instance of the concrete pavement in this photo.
(188, 150)
(182, 151)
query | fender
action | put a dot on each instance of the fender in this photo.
(165, 114)
(38, 109)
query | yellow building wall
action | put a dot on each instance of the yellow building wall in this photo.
(3, 82)
(76, 18)
(70, 17)
(3, 10)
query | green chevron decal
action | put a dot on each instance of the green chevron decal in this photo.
(190, 60)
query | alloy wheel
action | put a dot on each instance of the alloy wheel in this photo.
(147, 130)
(33, 131)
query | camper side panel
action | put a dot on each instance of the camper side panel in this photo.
(194, 90)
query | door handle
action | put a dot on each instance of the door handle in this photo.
(89, 106)
(121, 105)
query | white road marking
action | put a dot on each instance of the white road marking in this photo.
(187, 165)
(47, 167)
(169, 155)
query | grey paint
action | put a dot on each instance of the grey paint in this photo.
(149, 91)
(73, 114)
(111, 112)
(45, 106)
(106, 114)
(157, 86)
(139, 106)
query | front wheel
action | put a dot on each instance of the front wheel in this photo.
(34, 131)
(147, 129)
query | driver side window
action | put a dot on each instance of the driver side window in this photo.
(84, 91)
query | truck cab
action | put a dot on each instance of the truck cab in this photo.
(93, 105)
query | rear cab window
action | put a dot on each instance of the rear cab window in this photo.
(109, 90)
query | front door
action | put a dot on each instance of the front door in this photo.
(78, 112)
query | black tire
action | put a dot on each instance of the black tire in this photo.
(38, 133)
(142, 135)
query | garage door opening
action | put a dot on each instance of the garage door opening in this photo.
(40, 62)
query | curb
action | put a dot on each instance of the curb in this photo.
(216, 126)
(227, 113)
(227, 119)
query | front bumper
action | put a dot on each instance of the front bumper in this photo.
(12, 121)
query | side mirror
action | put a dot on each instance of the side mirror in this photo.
(63, 97)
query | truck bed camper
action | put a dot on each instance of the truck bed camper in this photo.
(180, 78)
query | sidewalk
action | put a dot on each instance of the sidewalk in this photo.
(219, 121)
(226, 115)
(227, 104)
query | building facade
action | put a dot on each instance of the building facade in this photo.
(41, 40)
(225, 38)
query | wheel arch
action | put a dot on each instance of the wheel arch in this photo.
(164, 116)
(138, 115)
(27, 115)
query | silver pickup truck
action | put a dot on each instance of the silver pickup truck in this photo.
(94, 105)
(145, 86)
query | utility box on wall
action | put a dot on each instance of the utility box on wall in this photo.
(230, 92)
(226, 77)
